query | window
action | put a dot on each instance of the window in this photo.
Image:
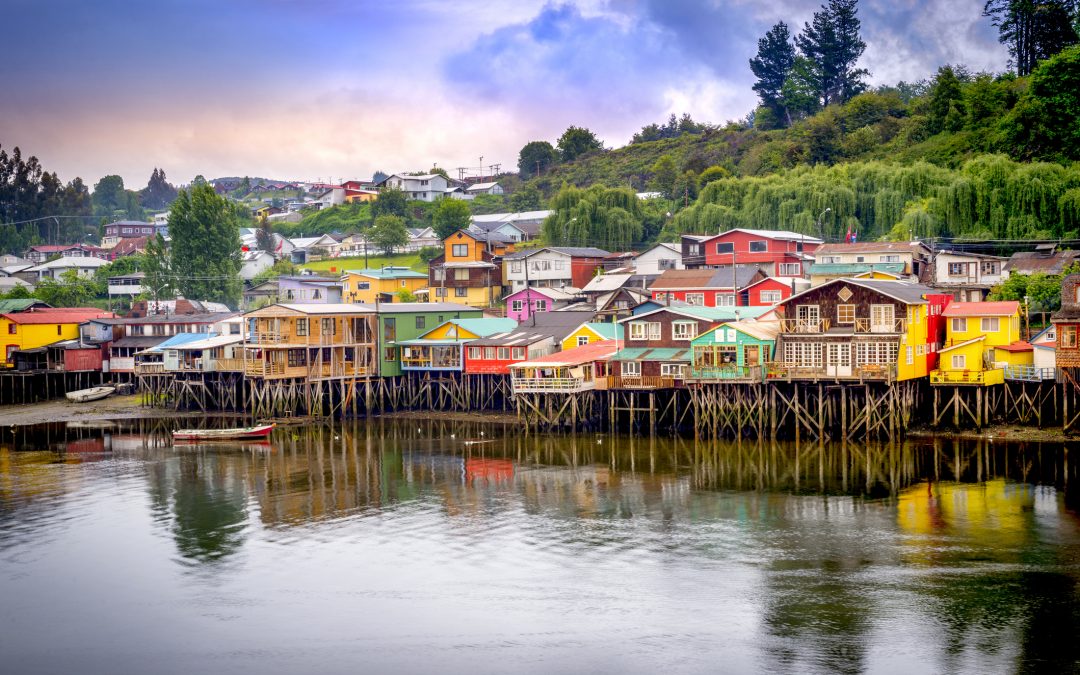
(631, 369)
(990, 324)
(959, 325)
(677, 370)
(845, 314)
(654, 330)
(725, 299)
(582, 340)
(516, 305)
(403, 283)
(438, 273)
(329, 327)
(693, 249)
(876, 353)
(957, 269)
(883, 318)
(459, 250)
(665, 264)
(830, 259)
(1067, 339)
(504, 353)
(440, 292)
(695, 299)
(489, 353)
(540, 305)
(759, 246)
(475, 353)
(889, 258)
(461, 274)
(802, 354)
(684, 330)
(297, 358)
(421, 322)
(910, 355)
(515, 267)
(461, 292)
(860, 258)
(788, 269)
(920, 350)
(389, 330)
(58, 329)
(518, 354)
(638, 330)
(725, 247)
(390, 354)
(769, 297)
(234, 329)
(12, 329)
(991, 267)
(959, 361)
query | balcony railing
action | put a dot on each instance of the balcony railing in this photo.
(637, 382)
(777, 370)
(728, 373)
(865, 325)
(974, 377)
(149, 368)
(550, 384)
(804, 325)
(227, 365)
(1029, 373)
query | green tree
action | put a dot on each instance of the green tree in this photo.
(205, 250)
(576, 141)
(664, 173)
(1033, 30)
(944, 94)
(70, 290)
(158, 192)
(528, 198)
(388, 233)
(110, 200)
(609, 218)
(800, 93)
(1046, 120)
(450, 216)
(405, 295)
(684, 190)
(535, 158)
(390, 202)
(157, 266)
(832, 44)
(771, 66)
(264, 236)
(712, 173)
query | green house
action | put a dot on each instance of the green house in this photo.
(403, 321)
(735, 350)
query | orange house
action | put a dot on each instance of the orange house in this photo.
(470, 269)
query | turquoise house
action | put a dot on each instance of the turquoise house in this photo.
(734, 350)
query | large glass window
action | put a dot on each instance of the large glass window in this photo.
(759, 246)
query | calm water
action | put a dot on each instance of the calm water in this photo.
(404, 547)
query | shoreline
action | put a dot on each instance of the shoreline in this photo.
(111, 408)
(996, 432)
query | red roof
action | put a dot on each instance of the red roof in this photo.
(58, 315)
(51, 248)
(594, 351)
(1018, 346)
(1002, 308)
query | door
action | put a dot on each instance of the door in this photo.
(882, 319)
(751, 355)
(809, 318)
(838, 363)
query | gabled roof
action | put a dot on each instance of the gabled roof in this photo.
(51, 315)
(1027, 262)
(872, 247)
(596, 351)
(210, 342)
(781, 235)
(652, 354)
(572, 251)
(760, 330)
(556, 325)
(855, 268)
(19, 305)
(723, 278)
(605, 330)
(477, 187)
(70, 261)
(1000, 308)
(421, 307)
(388, 273)
(176, 341)
(555, 294)
(1018, 346)
(968, 254)
(314, 308)
(907, 293)
(958, 345)
(606, 282)
(706, 313)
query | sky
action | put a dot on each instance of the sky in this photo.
(337, 89)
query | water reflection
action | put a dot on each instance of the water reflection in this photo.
(943, 555)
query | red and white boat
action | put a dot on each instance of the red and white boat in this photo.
(236, 434)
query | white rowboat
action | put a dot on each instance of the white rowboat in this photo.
(91, 394)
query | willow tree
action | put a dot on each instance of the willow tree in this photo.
(609, 218)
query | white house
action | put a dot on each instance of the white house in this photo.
(422, 237)
(526, 224)
(1044, 346)
(84, 266)
(491, 188)
(302, 247)
(255, 262)
(659, 258)
(552, 267)
(426, 188)
(969, 276)
(282, 246)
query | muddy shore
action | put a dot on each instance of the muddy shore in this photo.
(62, 410)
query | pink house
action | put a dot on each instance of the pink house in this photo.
(521, 305)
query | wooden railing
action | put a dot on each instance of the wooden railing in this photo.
(1029, 373)
(976, 377)
(865, 325)
(149, 368)
(228, 365)
(777, 370)
(728, 373)
(546, 384)
(637, 382)
(804, 326)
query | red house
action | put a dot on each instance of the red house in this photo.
(766, 292)
(707, 287)
(935, 326)
(777, 253)
(539, 335)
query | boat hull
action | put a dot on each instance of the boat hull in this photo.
(247, 433)
(92, 394)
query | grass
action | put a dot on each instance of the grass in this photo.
(410, 260)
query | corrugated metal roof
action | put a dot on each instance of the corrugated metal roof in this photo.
(57, 315)
(999, 308)
(652, 354)
(597, 351)
(871, 247)
(855, 268)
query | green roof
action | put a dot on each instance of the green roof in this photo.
(606, 330)
(840, 269)
(389, 273)
(481, 327)
(17, 304)
(651, 354)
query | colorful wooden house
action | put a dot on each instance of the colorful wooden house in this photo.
(656, 352)
(39, 327)
(470, 269)
(1044, 352)
(982, 340)
(777, 253)
(310, 341)
(885, 260)
(538, 336)
(571, 371)
(857, 329)
(443, 347)
(402, 321)
(707, 287)
(1066, 322)
(382, 284)
(522, 304)
(592, 331)
(733, 351)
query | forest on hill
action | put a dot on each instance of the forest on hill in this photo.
(962, 154)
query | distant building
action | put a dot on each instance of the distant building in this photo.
(425, 188)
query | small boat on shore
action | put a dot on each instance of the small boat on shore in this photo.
(91, 394)
(235, 434)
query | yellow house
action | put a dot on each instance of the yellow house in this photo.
(40, 327)
(981, 340)
(470, 269)
(365, 286)
(590, 332)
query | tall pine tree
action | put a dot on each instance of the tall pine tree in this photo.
(831, 42)
(205, 250)
(771, 66)
(1034, 30)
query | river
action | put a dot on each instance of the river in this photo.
(418, 546)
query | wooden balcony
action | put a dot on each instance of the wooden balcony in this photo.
(978, 378)
(637, 382)
(1029, 373)
(149, 368)
(804, 326)
(542, 385)
(865, 325)
(227, 365)
(868, 372)
(703, 374)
